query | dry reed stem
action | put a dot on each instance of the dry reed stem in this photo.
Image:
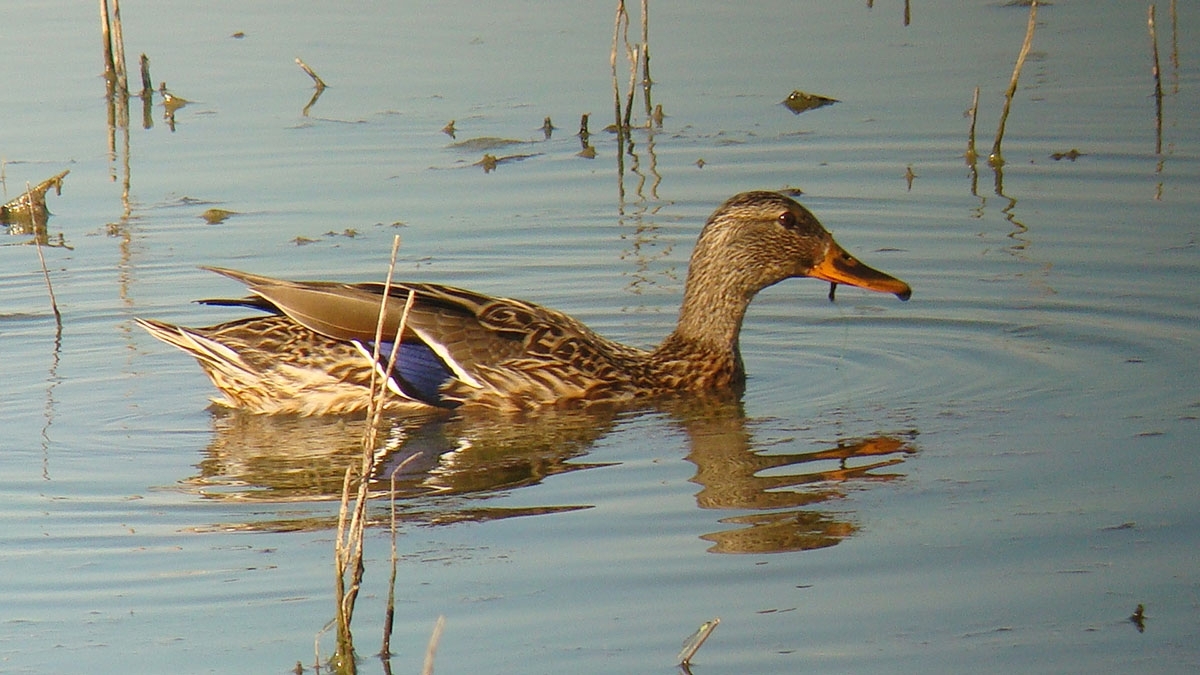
(118, 49)
(995, 159)
(692, 644)
(37, 241)
(389, 615)
(431, 648)
(1174, 40)
(973, 113)
(348, 547)
(340, 559)
(612, 62)
(631, 56)
(646, 83)
(317, 81)
(147, 85)
(634, 57)
(106, 36)
(1158, 92)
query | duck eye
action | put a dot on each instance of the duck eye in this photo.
(787, 219)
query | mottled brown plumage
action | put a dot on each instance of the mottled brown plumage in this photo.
(309, 356)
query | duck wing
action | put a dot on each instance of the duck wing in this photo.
(457, 344)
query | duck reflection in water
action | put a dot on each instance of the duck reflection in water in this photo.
(447, 463)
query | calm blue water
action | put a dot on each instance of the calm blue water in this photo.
(991, 476)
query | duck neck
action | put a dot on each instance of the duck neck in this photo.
(710, 321)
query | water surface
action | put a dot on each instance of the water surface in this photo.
(991, 476)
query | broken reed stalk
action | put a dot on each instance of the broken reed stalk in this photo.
(995, 159)
(631, 56)
(110, 68)
(1175, 41)
(646, 83)
(973, 113)
(147, 96)
(692, 644)
(147, 87)
(118, 49)
(341, 558)
(431, 648)
(348, 547)
(1158, 92)
(317, 81)
(634, 57)
(612, 62)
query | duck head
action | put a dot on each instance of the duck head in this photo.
(756, 239)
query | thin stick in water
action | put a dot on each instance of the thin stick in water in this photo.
(147, 87)
(612, 62)
(118, 50)
(692, 644)
(320, 84)
(996, 159)
(646, 82)
(1175, 41)
(348, 548)
(634, 57)
(431, 649)
(110, 70)
(1158, 92)
(389, 613)
(37, 240)
(973, 113)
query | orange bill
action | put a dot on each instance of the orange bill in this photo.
(839, 267)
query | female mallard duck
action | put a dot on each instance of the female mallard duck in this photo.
(312, 353)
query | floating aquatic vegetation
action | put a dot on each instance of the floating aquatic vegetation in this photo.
(1071, 154)
(217, 216)
(800, 101)
(30, 205)
(485, 143)
(490, 162)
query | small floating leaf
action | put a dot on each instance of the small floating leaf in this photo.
(1071, 154)
(799, 101)
(1139, 618)
(490, 162)
(485, 143)
(217, 216)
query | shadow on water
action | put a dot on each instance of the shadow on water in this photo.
(778, 501)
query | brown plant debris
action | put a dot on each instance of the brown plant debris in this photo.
(30, 206)
(799, 101)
